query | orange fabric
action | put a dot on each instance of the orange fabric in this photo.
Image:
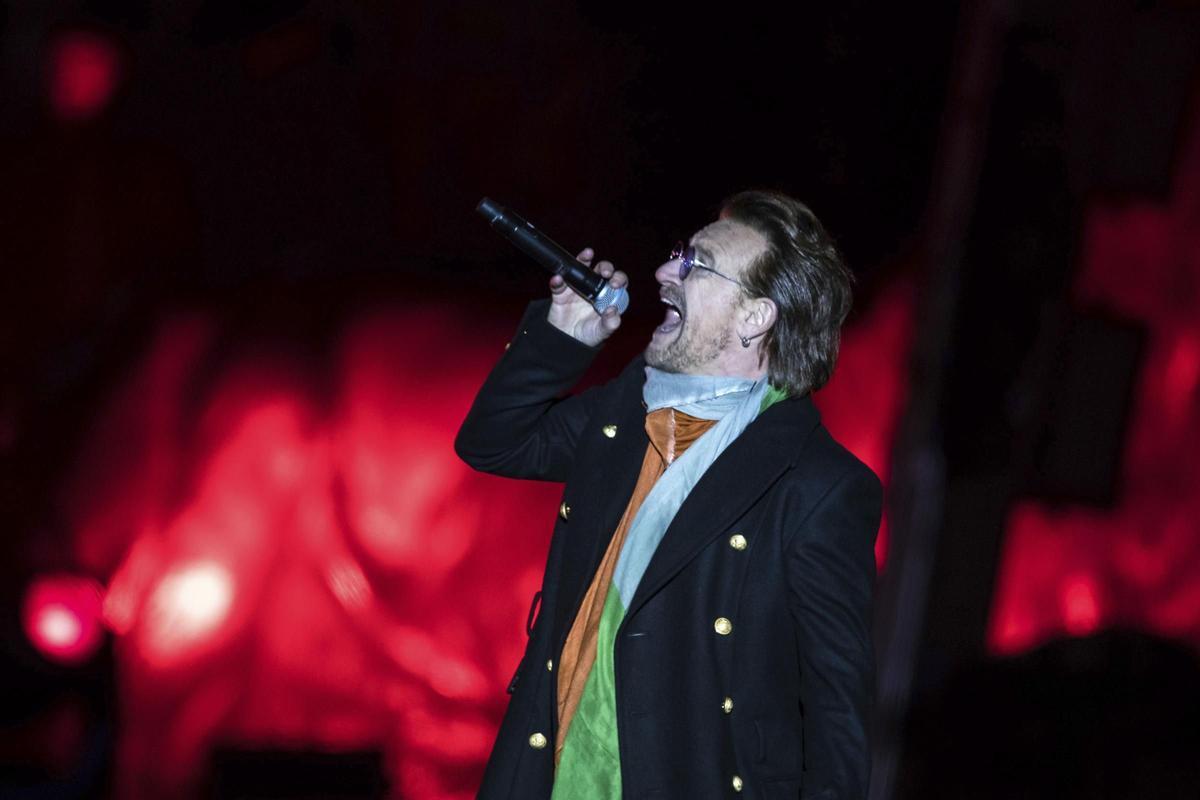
(671, 432)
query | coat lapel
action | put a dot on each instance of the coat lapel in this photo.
(734, 482)
(592, 525)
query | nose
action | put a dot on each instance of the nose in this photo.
(668, 272)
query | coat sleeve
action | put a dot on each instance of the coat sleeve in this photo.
(520, 425)
(831, 576)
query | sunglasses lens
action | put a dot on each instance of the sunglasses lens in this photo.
(681, 254)
(686, 260)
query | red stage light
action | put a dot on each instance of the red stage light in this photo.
(57, 626)
(84, 69)
(61, 616)
(1081, 611)
(1076, 570)
(186, 607)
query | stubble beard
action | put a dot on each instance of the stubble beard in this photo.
(688, 353)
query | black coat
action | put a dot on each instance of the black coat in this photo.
(776, 706)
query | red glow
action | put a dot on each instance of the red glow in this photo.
(1080, 609)
(1071, 570)
(317, 568)
(58, 627)
(189, 603)
(349, 585)
(84, 71)
(61, 616)
(862, 403)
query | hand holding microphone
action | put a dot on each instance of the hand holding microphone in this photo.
(585, 303)
(571, 313)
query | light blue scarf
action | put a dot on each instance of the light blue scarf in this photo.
(734, 403)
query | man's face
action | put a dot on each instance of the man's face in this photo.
(699, 334)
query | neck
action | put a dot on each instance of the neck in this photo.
(740, 363)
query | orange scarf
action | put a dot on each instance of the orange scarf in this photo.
(671, 432)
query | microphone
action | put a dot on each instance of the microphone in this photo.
(591, 286)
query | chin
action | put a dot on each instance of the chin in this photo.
(658, 349)
(660, 358)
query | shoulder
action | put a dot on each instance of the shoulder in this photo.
(792, 430)
(827, 461)
(826, 481)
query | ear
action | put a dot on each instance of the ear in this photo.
(760, 314)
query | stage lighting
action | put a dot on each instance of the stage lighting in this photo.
(84, 71)
(1081, 609)
(188, 605)
(61, 617)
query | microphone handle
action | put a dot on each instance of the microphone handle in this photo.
(545, 251)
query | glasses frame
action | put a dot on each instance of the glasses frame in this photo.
(686, 255)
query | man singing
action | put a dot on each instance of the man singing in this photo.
(704, 620)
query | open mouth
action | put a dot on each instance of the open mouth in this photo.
(673, 319)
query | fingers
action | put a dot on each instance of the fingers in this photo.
(615, 277)
(557, 285)
(610, 320)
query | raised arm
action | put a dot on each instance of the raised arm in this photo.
(521, 425)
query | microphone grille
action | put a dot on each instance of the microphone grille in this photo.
(611, 297)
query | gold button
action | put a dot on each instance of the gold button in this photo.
(610, 430)
(737, 783)
(564, 510)
(550, 665)
(727, 705)
(737, 542)
(537, 741)
(723, 626)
